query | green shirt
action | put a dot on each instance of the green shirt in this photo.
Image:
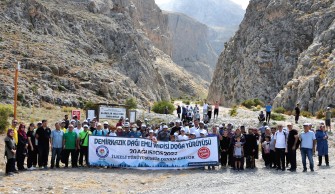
(82, 136)
(70, 140)
(328, 115)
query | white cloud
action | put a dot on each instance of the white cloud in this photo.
(243, 3)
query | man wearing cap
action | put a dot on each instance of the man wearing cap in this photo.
(164, 135)
(152, 136)
(99, 131)
(182, 136)
(280, 139)
(126, 129)
(92, 126)
(292, 141)
(106, 125)
(328, 115)
(56, 141)
(176, 128)
(308, 141)
(134, 133)
(201, 129)
(83, 143)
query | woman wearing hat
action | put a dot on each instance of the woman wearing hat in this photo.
(10, 152)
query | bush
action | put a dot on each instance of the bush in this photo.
(277, 117)
(5, 112)
(233, 112)
(187, 102)
(252, 103)
(288, 112)
(280, 110)
(159, 107)
(89, 105)
(306, 114)
(320, 114)
(131, 103)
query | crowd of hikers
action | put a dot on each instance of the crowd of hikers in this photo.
(239, 147)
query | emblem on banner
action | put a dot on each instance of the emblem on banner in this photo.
(204, 153)
(102, 151)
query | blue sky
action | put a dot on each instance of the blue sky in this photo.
(243, 3)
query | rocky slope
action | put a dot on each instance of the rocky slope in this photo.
(191, 48)
(78, 50)
(283, 52)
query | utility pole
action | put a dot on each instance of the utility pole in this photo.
(17, 67)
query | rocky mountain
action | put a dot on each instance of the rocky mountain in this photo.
(191, 48)
(283, 52)
(72, 51)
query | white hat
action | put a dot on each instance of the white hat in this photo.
(85, 126)
(143, 125)
(182, 129)
(106, 123)
(165, 127)
(201, 122)
(176, 134)
(202, 132)
(306, 124)
(126, 124)
(193, 133)
(178, 121)
(85, 121)
(328, 108)
(220, 126)
(99, 124)
(151, 131)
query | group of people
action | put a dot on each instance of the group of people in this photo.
(190, 113)
(238, 148)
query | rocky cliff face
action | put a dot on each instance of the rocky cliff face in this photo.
(99, 50)
(283, 52)
(191, 48)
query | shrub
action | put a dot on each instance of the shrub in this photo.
(288, 112)
(306, 114)
(131, 103)
(159, 107)
(67, 109)
(5, 112)
(280, 110)
(252, 103)
(89, 105)
(320, 114)
(233, 111)
(277, 117)
(187, 102)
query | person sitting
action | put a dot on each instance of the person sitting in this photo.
(261, 117)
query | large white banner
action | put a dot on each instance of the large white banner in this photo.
(144, 154)
(111, 113)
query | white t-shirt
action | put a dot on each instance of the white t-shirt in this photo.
(76, 130)
(197, 133)
(182, 137)
(205, 106)
(112, 134)
(280, 139)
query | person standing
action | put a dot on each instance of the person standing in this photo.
(273, 163)
(10, 152)
(43, 136)
(297, 113)
(280, 145)
(322, 144)
(216, 109)
(268, 109)
(70, 145)
(83, 143)
(250, 147)
(328, 115)
(178, 111)
(292, 143)
(204, 110)
(56, 141)
(32, 148)
(22, 145)
(307, 148)
(66, 121)
(209, 112)
(224, 148)
(14, 128)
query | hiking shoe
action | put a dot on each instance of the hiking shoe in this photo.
(305, 170)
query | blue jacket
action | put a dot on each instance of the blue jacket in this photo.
(322, 144)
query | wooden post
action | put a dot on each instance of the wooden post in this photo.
(16, 88)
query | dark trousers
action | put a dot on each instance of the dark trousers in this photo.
(20, 156)
(326, 159)
(273, 158)
(296, 118)
(224, 158)
(216, 112)
(10, 166)
(267, 159)
(32, 157)
(178, 115)
(250, 161)
(292, 157)
(73, 157)
(268, 116)
(43, 153)
(280, 158)
(55, 156)
(209, 113)
(83, 152)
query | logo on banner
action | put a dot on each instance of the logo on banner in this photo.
(204, 153)
(102, 151)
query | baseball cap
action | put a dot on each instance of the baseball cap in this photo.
(151, 131)
(143, 125)
(85, 126)
(106, 123)
(182, 129)
(165, 127)
(126, 124)
(306, 124)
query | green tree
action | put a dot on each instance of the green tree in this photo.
(160, 106)
(131, 103)
(5, 111)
